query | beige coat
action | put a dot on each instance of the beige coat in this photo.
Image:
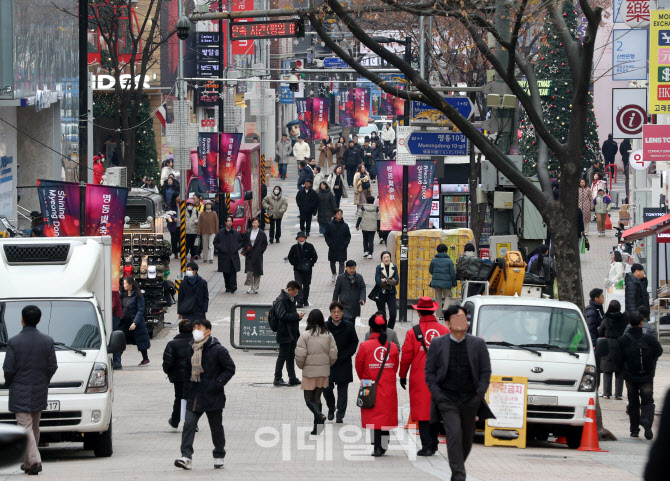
(361, 195)
(315, 354)
(275, 206)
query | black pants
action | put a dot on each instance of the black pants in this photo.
(369, 241)
(338, 196)
(459, 422)
(215, 419)
(428, 433)
(190, 245)
(388, 148)
(342, 397)
(286, 355)
(174, 240)
(351, 172)
(305, 222)
(640, 404)
(618, 384)
(380, 439)
(230, 280)
(176, 405)
(275, 229)
(340, 268)
(304, 279)
(388, 299)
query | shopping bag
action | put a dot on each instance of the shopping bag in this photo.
(582, 250)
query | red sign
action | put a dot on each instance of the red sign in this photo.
(208, 122)
(656, 143)
(631, 118)
(263, 29)
(251, 315)
(243, 47)
(663, 237)
(663, 92)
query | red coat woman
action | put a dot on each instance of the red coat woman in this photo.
(414, 358)
(384, 415)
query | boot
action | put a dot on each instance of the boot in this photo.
(647, 419)
(428, 434)
(321, 418)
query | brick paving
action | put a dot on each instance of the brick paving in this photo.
(145, 446)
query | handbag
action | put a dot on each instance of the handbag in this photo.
(375, 293)
(365, 185)
(367, 393)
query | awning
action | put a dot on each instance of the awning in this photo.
(648, 228)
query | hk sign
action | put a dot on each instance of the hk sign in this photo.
(108, 82)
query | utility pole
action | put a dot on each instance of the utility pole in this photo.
(404, 237)
(83, 111)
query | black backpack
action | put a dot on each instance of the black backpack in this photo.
(273, 319)
(641, 363)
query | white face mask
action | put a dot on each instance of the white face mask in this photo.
(189, 273)
(190, 207)
(301, 243)
(276, 192)
(209, 207)
(198, 335)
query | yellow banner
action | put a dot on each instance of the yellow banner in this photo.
(659, 62)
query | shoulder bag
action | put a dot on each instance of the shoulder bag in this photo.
(419, 335)
(367, 393)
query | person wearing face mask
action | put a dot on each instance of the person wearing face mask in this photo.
(192, 218)
(193, 300)
(458, 372)
(208, 367)
(174, 360)
(275, 205)
(350, 291)
(229, 243)
(308, 205)
(208, 226)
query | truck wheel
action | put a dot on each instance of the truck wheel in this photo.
(103, 444)
(574, 437)
(89, 441)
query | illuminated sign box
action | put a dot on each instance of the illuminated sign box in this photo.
(266, 29)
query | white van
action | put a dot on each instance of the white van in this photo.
(548, 342)
(70, 280)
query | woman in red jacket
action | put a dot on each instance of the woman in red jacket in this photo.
(414, 355)
(384, 415)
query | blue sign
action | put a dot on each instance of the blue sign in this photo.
(629, 54)
(421, 111)
(437, 143)
(286, 96)
(334, 62)
(664, 38)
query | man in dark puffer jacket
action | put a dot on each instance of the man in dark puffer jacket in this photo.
(174, 364)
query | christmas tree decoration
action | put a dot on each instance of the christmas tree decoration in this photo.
(553, 58)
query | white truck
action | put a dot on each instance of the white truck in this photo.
(548, 342)
(70, 280)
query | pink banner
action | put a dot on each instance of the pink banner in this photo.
(230, 147)
(59, 203)
(390, 194)
(362, 104)
(105, 213)
(346, 101)
(304, 109)
(208, 159)
(320, 110)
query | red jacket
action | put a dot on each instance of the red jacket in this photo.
(368, 362)
(98, 172)
(413, 355)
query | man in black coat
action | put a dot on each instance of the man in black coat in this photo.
(610, 148)
(302, 257)
(193, 301)
(174, 365)
(288, 333)
(458, 371)
(656, 469)
(229, 242)
(30, 363)
(636, 289)
(308, 205)
(624, 149)
(337, 237)
(350, 291)
(594, 312)
(306, 173)
(208, 368)
(351, 158)
(341, 375)
(638, 354)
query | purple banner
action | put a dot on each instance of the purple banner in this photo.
(346, 100)
(59, 203)
(420, 194)
(208, 159)
(229, 148)
(304, 107)
(320, 111)
(362, 104)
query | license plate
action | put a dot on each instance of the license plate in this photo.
(543, 400)
(53, 406)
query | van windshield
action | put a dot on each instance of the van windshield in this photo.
(533, 325)
(74, 323)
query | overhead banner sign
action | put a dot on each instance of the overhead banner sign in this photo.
(390, 195)
(656, 143)
(362, 107)
(659, 62)
(637, 13)
(208, 159)
(243, 47)
(59, 203)
(426, 113)
(313, 117)
(629, 55)
(629, 112)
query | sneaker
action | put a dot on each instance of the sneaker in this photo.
(250, 290)
(365, 254)
(218, 463)
(117, 367)
(184, 463)
(144, 362)
(369, 256)
(173, 426)
(648, 434)
(211, 261)
(333, 278)
(277, 241)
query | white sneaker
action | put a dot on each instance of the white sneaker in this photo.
(333, 278)
(369, 256)
(310, 304)
(250, 290)
(218, 463)
(184, 463)
(365, 254)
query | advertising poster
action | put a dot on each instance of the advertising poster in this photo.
(362, 104)
(230, 147)
(7, 194)
(304, 107)
(208, 159)
(390, 195)
(59, 203)
(320, 110)
(105, 212)
(346, 101)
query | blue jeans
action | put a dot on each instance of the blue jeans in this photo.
(282, 170)
(116, 357)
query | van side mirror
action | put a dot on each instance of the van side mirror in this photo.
(117, 342)
(249, 195)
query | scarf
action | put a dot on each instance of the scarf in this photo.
(196, 360)
(351, 279)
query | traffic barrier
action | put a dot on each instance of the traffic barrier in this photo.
(608, 223)
(590, 431)
(560, 440)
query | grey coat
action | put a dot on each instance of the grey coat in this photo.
(350, 294)
(275, 206)
(30, 363)
(283, 150)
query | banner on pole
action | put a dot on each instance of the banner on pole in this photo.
(390, 195)
(320, 111)
(59, 204)
(230, 147)
(208, 159)
(362, 106)
(346, 100)
(304, 108)
(659, 62)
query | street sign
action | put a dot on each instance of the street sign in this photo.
(636, 161)
(334, 62)
(629, 54)
(437, 143)
(656, 143)
(262, 29)
(403, 155)
(659, 60)
(629, 112)
(255, 331)
(425, 113)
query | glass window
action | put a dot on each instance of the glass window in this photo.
(74, 323)
(533, 325)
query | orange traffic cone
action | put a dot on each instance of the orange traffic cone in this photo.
(608, 222)
(411, 424)
(560, 440)
(590, 432)
(272, 171)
